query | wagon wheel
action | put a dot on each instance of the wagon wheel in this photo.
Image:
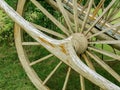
(84, 34)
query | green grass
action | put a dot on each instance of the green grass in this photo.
(12, 75)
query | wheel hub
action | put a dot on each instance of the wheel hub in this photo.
(80, 43)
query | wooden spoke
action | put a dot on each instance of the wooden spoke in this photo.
(105, 30)
(114, 50)
(49, 31)
(114, 11)
(110, 60)
(104, 65)
(66, 79)
(94, 5)
(111, 13)
(40, 60)
(87, 15)
(57, 23)
(82, 82)
(88, 61)
(30, 43)
(112, 55)
(97, 20)
(84, 7)
(102, 49)
(115, 19)
(75, 11)
(68, 22)
(76, 18)
(97, 8)
(49, 76)
(105, 42)
(116, 31)
(105, 16)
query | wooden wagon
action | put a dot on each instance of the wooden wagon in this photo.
(85, 38)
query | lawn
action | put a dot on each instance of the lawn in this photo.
(12, 75)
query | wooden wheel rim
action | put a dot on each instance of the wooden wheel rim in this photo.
(28, 65)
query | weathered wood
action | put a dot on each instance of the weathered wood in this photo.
(82, 82)
(75, 12)
(53, 71)
(41, 59)
(106, 42)
(56, 22)
(102, 36)
(52, 32)
(66, 79)
(66, 53)
(105, 66)
(112, 55)
(87, 15)
(65, 15)
(97, 20)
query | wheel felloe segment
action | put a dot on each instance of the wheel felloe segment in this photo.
(81, 44)
(88, 48)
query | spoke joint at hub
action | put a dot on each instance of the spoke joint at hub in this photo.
(79, 42)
